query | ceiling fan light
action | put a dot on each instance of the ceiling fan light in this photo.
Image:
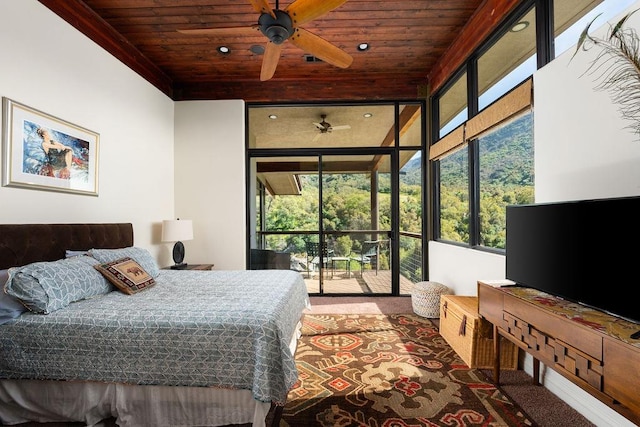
(276, 29)
(277, 34)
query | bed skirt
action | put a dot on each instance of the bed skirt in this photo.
(136, 406)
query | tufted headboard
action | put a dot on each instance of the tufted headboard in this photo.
(22, 244)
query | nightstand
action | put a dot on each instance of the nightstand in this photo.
(193, 267)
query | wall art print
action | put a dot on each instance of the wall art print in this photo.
(43, 152)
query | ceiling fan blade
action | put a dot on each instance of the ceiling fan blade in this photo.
(341, 127)
(302, 11)
(320, 48)
(222, 32)
(262, 6)
(270, 60)
(319, 125)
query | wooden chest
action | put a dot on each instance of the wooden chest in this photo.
(470, 336)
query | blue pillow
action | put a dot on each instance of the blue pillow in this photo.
(45, 287)
(140, 255)
(10, 308)
(70, 252)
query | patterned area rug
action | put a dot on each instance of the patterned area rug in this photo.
(390, 370)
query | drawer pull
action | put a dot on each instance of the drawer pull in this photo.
(444, 309)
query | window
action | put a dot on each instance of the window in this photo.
(454, 196)
(482, 150)
(510, 60)
(452, 105)
(505, 176)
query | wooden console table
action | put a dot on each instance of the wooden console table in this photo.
(588, 347)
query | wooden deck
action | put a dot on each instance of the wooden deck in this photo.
(369, 283)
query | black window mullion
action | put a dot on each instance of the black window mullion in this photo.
(545, 39)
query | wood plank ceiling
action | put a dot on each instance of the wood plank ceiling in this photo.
(408, 41)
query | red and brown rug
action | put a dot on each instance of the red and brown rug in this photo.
(390, 370)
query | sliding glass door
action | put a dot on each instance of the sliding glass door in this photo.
(328, 204)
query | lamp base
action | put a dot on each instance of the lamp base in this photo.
(179, 266)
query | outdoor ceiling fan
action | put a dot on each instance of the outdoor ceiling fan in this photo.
(281, 25)
(326, 127)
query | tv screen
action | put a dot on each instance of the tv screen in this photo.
(583, 251)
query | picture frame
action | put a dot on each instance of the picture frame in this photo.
(43, 152)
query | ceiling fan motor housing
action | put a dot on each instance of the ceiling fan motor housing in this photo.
(276, 29)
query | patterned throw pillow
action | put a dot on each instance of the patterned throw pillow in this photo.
(140, 255)
(44, 287)
(127, 275)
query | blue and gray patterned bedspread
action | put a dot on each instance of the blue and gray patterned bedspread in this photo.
(228, 329)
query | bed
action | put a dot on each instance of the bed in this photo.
(189, 348)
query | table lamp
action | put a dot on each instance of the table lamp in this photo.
(177, 230)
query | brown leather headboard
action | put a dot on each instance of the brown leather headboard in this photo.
(22, 244)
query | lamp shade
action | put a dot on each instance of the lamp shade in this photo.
(175, 230)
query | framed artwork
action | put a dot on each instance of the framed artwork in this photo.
(43, 152)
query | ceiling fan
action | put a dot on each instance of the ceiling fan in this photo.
(281, 25)
(326, 127)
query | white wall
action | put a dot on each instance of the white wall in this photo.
(210, 182)
(50, 66)
(582, 151)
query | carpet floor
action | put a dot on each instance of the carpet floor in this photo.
(378, 370)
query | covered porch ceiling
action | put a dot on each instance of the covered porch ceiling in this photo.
(353, 127)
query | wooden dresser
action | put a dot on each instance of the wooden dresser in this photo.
(590, 348)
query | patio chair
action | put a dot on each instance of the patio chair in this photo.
(313, 256)
(369, 254)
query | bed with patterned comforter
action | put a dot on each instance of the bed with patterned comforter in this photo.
(194, 348)
(193, 328)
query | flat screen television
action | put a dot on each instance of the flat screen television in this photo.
(583, 251)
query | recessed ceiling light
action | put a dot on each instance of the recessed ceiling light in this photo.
(367, 115)
(223, 50)
(273, 116)
(363, 46)
(519, 26)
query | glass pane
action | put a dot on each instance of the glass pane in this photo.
(454, 197)
(453, 106)
(286, 204)
(356, 215)
(410, 220)
(411, 125)
(320, 126)
(509, 61)
(506, 176)
(571, 18)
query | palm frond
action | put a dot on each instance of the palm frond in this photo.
(617, 67)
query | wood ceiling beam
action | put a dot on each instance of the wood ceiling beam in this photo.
(312, 167)
(483, 22)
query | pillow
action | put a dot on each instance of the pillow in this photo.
(44, 287)
(140, 255)
(127, 275)
(10, 308)
(69, 253)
